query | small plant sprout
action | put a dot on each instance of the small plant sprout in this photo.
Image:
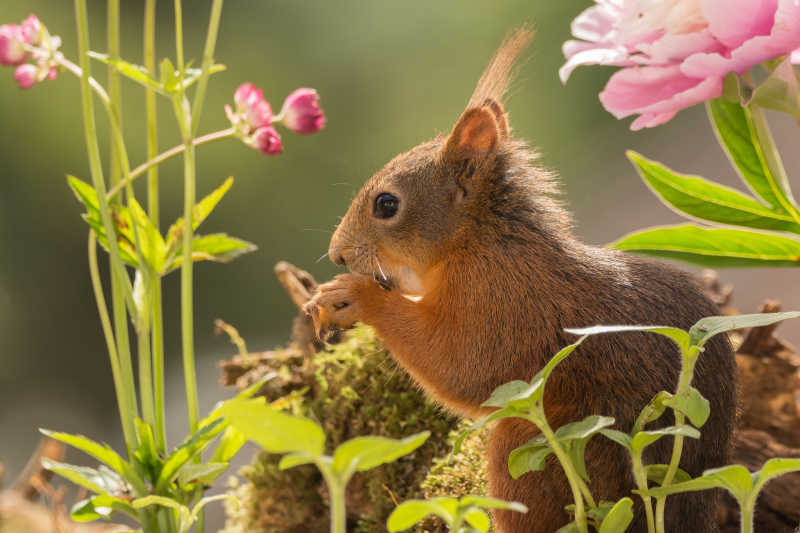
(466, 515)
(303, 442)
(522, 399)
(686, 402)
(737, 480)
(184, 516)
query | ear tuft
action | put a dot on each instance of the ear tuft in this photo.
(475, 136)
(500, 116)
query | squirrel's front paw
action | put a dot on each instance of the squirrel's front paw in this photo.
(337, 305)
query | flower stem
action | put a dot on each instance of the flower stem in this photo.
(96, 170)
(169, 154)
(126, 416)
(153, 210)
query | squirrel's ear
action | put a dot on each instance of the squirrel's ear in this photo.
(475, 136)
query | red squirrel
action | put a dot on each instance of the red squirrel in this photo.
(468, 224)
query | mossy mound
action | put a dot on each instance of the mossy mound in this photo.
(353, 389)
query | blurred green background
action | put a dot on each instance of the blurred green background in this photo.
(390, 74)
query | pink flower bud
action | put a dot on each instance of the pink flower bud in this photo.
(25, 75)
(12, 51)
(252, 106)
(52, 73)
(32, 30)
(301, 112)
(267, 140)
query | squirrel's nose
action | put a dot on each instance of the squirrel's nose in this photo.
(338, 259)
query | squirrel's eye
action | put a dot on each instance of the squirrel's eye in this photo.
(386, 205)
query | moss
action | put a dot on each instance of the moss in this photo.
(353, 389)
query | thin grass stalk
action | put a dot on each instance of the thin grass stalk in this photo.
(117, 297)
(96, 170)
(153, 211)
(125, 414)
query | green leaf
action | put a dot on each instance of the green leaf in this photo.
(576, 450)
(519, 392)
(697, 197)
(230, 443)
(290, 460)
(680, 337)
(100, 506)
(203, 473)
(152, 245)
(486, 502)
(136, 73)
(572, 527)
(761, 170)
(410, 512)
(692, 404)
(645, 438)
(657, 473)
(780, 91)
(653, 410)
(193, 74)
(623, 439)
(734, 478)
(618, 518)
(169, 79)
(189, 448)
(478, 519)
(218, 247)
(705, 328)
(101, 481)
(774, 468)
(527, 459)
(497, 415)
(200, 212)
(86, 194)
(103, 453)
(274, 431)
(522, 395)
(584, 428)
(364, 453)
(713, 247)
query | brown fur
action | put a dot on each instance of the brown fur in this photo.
(481, 239)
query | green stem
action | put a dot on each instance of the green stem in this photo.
(641, 483)
(336, 493)
(208, 61)
(687, 371)
(172, 152)
(573, 478)
(113, 107)
(96, 170)
(189, 193)
(153, 211)
(126, 416)
(145, 367)
(150, 110)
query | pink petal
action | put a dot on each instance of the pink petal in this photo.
(783, 39)
(651, 120)
(675, 47)
(735, 21)
(796, 57)
(594, 24)
(656, 93)
(617, 56)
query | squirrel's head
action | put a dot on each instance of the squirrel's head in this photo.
(424, 202)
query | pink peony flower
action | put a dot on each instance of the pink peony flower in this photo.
(267, 140)
(301, 112)
(675, 53)
(12, 40)
(32, 30)
(25, 76)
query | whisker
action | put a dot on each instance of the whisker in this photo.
(385, 278)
